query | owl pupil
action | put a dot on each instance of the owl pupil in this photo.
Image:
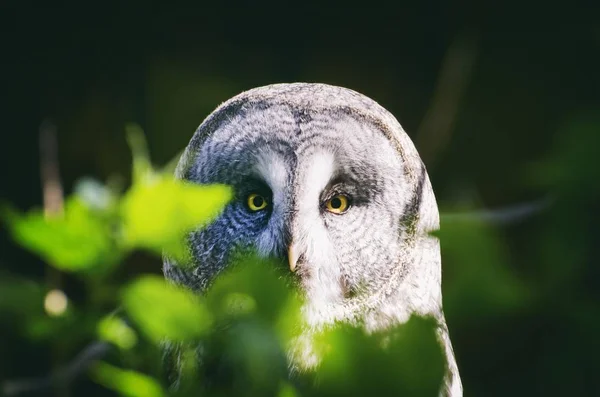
(336, 203)
(258, 201)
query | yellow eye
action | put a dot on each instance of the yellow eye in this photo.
(256, 202)
(337, 204)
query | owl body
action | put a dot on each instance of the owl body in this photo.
(327, 179)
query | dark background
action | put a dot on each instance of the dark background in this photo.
(528, 71)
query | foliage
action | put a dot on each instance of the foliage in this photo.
(127, 383)
(233, 340)
(165, 311)
(76, 240)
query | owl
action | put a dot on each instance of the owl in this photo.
(327, 180)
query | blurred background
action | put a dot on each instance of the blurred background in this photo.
(501, 101)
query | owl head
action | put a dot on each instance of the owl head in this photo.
(326, 180)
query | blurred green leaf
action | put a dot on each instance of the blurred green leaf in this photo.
(79, 239)
(570, 167)
(249, 356)
(113, 329)
(482, 283)
(126, 382)
(20, 296)
(158, 212)
(259, 287)
(164, 310)
(142, 168)
(406, 360)
(45, 327)
(287, 390)
(171, 166)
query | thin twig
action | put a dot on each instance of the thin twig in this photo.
(49, 170)
(437, 125)
(53, 207)
(64, 375)
(51, 186)
(501, 216)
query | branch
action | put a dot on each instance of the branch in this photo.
(49, 170)
(66, 374)
(501, 216)
(437, 125)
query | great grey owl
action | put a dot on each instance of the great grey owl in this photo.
(329, 179)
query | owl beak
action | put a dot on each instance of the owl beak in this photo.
(292, 257)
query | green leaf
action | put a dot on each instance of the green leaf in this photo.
(287, 390)
(171, 167)
(259, 287)
(126, 382)
(142, 167)
(20, 296)
(480, 282)
(79, 239)
(113, 329)
(158, 212)
(568, 168)
(405, 361)
(164, 310)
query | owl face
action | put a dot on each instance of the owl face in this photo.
(324, 189)
(321, 190)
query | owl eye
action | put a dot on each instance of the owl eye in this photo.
(256, 202)
(338, 204)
